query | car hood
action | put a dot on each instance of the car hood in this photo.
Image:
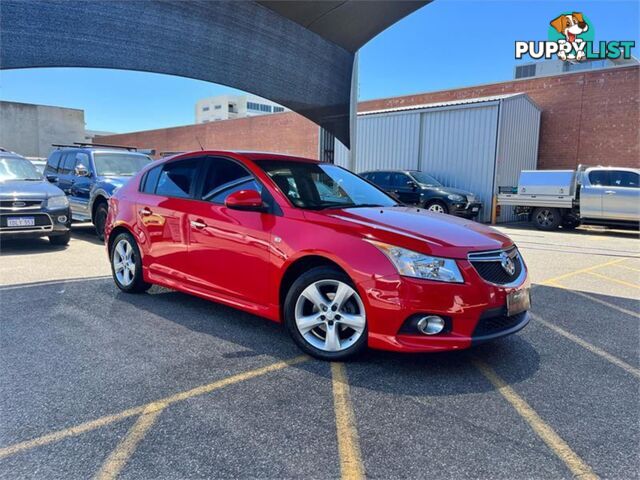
(449, 190)
(424, 231)
(28, 189)
(117, 182)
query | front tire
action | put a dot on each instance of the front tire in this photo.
(325, 315)
(546, 218)
(100, 219)
(126, 264)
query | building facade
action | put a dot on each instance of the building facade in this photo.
(588, 117)
(30, 129)
(229, 107)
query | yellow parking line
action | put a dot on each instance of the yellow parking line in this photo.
(106, 420)
(120, 456)
(597, 300)
(614, 280)
(577, 466)
(592, 348)
(582, 270)
(351, 466)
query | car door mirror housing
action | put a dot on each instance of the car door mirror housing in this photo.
(81, 171)
(248, 200)
(52, 178)
(412, 185)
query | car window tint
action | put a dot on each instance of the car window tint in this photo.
(68, 163)
(384, 179)
(399, 180)
(151, 180)
(375, 178)
(177, 179)
(599, 177)
(54, 160)
(224, 177)
(623, 178)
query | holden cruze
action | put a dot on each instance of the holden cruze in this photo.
(313, 245)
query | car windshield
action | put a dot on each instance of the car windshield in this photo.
(15, 168)
(317, 186)
(117, 164)
(425, 179)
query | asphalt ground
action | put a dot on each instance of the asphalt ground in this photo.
(97, 383)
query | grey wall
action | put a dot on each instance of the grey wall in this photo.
(31, 129)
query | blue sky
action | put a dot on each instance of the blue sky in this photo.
(447, 44)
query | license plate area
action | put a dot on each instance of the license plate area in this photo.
(518, 301)
(21, 222)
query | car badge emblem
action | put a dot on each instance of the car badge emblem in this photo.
(19, 204)
(507, 263)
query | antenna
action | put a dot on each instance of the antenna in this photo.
(200, 143)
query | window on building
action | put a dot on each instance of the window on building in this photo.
(205, 109)
(217, 107)
(525, 71)
(278, 109)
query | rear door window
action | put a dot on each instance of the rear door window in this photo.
(400, 180)
(177, 179)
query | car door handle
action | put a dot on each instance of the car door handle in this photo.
(199, 224)
(609, 192)
(145, 212)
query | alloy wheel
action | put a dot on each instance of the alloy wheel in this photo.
(330, 315)
(124, 262)
(436, 207)
(545, 217)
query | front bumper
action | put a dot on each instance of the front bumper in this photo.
(475, 311)
(48, 223)
(466, 210)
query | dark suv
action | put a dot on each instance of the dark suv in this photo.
(29, 205)
(418, 188)
(89, 174)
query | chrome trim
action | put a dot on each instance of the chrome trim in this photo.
(22, 208)
(512, 252)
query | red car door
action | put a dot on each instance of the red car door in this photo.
(229, 250)
(163, 204)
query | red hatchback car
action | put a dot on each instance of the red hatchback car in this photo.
(313, 245)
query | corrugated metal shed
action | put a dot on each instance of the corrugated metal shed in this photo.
(474, 144)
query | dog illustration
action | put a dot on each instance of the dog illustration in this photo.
(571, 25)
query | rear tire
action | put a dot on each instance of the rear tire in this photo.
(60, 239)
(126, 264)
(547, 219)
(437, 207)
(100, 219)
(326, 327)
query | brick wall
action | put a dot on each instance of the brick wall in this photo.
(281, 132)
(590, 117)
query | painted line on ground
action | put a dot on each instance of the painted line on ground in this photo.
(125, 449)
(351, 466)
(54, 282)
(582, 270)
(593, 298)
(108, 419)
(590, 347)
(614, 280)
(562, 450)
(627, 267)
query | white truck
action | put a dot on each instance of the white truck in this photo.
(589, 195)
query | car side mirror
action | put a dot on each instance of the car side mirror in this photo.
(81, 171)
(247, 200)
(52, 178)
(412, 185)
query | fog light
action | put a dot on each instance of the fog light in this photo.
(430, 325)
(62, 219)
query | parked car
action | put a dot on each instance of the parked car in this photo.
(89, 174)
(30, 207)
(343, 266)
(588, 195)
(421, 189)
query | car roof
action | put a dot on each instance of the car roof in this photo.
(249, 155)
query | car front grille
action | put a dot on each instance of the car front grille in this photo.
(17, 205)
(494, 322)
(494, 266)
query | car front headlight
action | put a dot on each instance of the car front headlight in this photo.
(454, 197)
(60, 201)
(417, 265)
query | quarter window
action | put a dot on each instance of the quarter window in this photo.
(623, 178)
(151, 180)
(177, 179)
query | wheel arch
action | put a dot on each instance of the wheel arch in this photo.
(114, 233)
(97, 200)
(300, 266)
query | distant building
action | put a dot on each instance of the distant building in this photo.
(89, 135)
(558, 67)
(227, 107)
(30, 129)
